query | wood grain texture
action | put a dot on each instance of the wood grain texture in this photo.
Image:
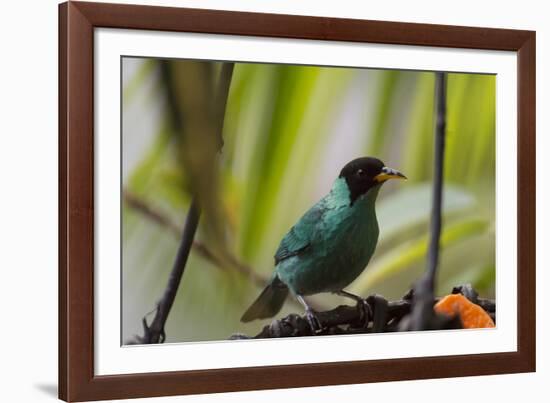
(299, 27)
(62, 207)
(76, 204)
(76, 213)
(526, 172)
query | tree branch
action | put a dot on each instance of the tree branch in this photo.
(386, 317)
(155, 333)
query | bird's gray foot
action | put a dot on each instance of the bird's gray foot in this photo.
(365, 309)
(311, 318)
(313, 322)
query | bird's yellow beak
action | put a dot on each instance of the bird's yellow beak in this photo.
(388, 173)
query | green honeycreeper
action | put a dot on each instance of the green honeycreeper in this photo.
(331, 244)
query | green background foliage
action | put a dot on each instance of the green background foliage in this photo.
(288, 131)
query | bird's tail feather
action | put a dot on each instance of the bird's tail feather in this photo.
(269, 303)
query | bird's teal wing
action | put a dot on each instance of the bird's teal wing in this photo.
(301, 236)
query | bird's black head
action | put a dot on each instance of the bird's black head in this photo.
(364, 173)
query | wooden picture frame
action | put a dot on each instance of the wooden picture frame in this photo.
(77, 21)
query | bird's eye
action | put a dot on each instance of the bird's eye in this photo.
(360, 173)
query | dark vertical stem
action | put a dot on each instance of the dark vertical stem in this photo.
(155, 332)
(437, 194)
(424, 290)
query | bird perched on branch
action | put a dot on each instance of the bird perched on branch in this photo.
(330, 245)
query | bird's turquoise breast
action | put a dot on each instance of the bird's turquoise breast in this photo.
(343, 241)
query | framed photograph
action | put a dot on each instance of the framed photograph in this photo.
(254, 201)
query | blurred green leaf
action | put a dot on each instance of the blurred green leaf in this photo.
(411, 205)
(418, 154)
(386, 97)
(196, 112)
(144, 173)
(136, 82)
(413, 251)
(470, 149)
(300, 106)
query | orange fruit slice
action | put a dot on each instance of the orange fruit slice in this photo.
(471, 315)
